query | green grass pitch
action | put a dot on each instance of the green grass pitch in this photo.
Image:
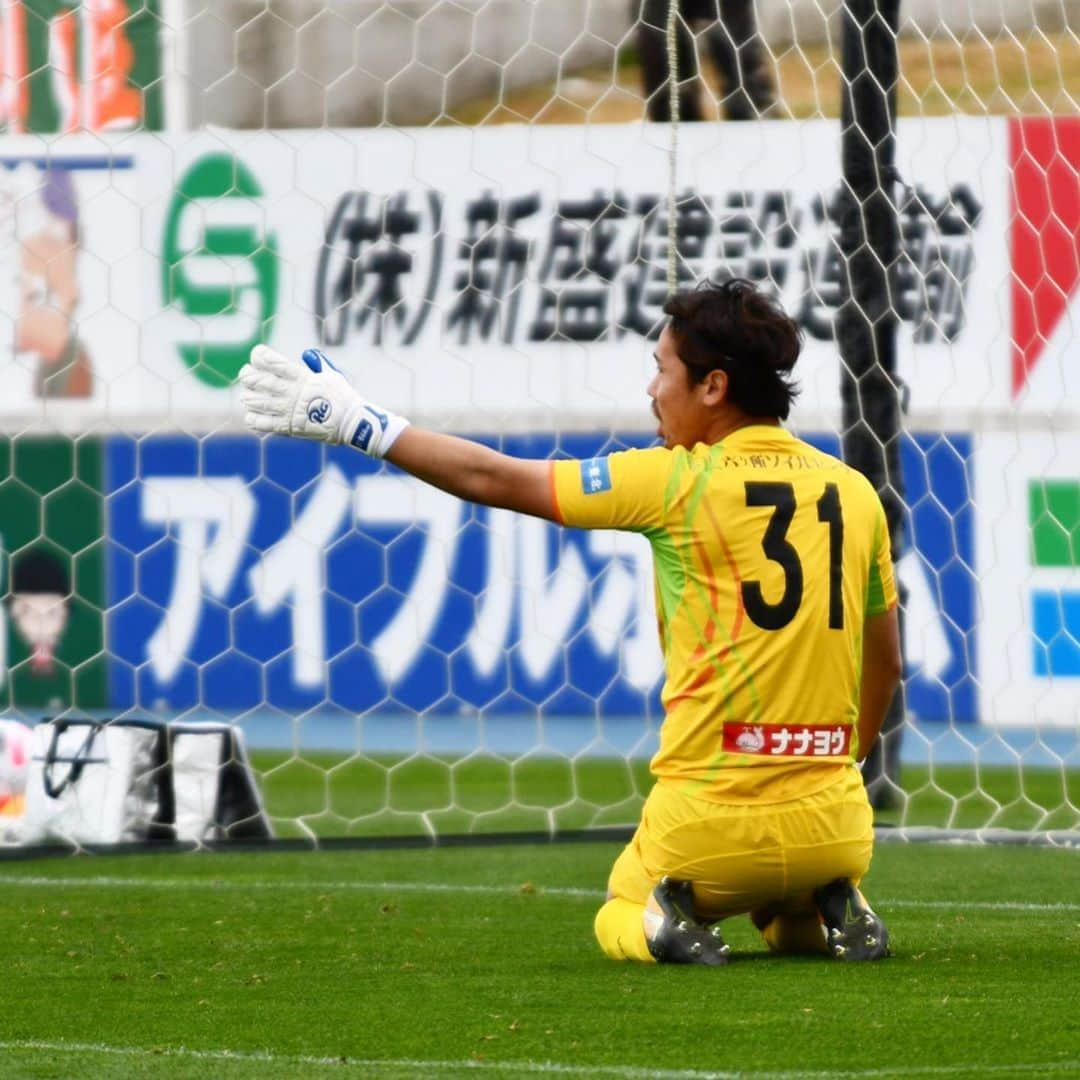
(328, 794)
(481, 961)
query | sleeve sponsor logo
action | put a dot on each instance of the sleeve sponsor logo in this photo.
(595, 476)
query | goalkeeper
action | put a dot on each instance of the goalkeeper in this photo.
(777, 613)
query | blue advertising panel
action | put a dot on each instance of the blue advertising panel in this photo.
(936, 575)
(249, 574)
(244, 573)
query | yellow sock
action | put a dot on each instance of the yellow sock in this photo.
(795, 934)
(620, 931)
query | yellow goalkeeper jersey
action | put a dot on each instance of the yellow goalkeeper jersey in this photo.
(768, 556)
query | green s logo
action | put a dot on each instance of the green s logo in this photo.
(220, 266)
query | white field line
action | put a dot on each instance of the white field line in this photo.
(312, 883)
(223, 885)
(419, 1066)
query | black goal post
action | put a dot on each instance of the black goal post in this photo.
(866, 322)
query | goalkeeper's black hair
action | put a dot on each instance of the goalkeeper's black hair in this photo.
(737, 328)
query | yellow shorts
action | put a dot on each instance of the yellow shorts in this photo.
(764, 860)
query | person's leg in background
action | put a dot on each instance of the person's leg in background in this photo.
(742, 61)
(650, 28)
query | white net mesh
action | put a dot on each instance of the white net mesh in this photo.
(465, 206)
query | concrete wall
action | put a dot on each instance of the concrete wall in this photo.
(302, 63)
(810, 21)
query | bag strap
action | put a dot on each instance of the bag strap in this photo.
(77, 762)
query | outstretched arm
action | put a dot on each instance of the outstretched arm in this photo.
(881, 672)
(476, 473)
(310, 399)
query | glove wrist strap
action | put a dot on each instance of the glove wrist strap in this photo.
(371, 429)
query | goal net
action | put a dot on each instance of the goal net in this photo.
(467, 206)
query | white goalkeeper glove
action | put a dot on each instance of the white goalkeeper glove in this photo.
(310, 399)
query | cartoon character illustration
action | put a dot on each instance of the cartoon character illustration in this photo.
(753, 741)
(39, 599)
(39, 243)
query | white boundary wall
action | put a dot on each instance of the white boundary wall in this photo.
(350, 63)
(367, 244)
